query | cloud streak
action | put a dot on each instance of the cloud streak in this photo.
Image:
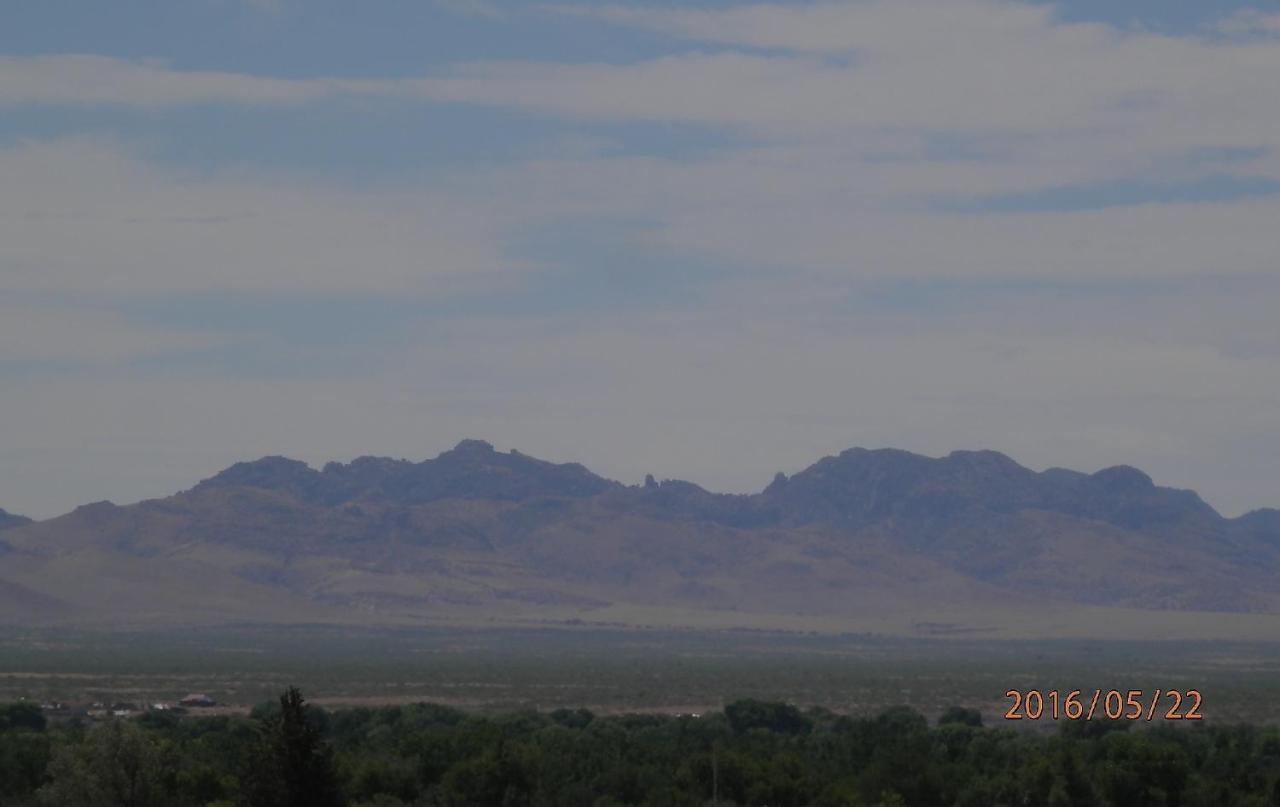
(77, 79)
(1250, 21)
(80, 216)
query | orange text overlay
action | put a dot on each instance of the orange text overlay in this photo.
(1104, 704)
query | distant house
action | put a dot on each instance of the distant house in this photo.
(198, 701)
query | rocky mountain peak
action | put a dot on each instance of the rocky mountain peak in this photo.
(470, 470)
(1123, 477)
(471, 446)
(272, 473)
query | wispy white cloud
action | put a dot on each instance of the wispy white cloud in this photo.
(1009, 76)
(816, 216)
(82, 216)
(983, 66)
(1250, 21)
(36, 330)
(923, 66)
(852, 26)
(89, 79)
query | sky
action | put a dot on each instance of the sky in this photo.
(704, 241)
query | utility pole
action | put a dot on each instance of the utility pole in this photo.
(715, 776)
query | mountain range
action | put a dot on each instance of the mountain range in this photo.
(865, 540)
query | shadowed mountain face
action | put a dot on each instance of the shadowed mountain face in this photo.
(477, 535)
(8, 520)
(861, 487)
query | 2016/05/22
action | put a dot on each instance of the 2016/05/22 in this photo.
(1116, 705)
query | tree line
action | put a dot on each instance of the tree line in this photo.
(291, 754)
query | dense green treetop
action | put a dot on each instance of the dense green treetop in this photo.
(753, 753)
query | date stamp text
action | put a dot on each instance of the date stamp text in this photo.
(1105, 704)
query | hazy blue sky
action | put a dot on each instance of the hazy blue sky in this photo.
(709, 241)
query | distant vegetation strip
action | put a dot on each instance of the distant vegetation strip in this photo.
(752, 752)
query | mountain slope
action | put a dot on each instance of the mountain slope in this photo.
(475, 535)
(8, 520)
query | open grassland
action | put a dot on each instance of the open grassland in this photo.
(617, 671)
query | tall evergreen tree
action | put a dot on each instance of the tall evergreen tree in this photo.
(292, 765)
